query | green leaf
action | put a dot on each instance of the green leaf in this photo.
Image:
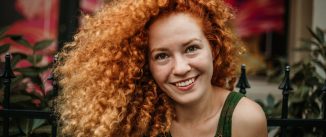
(18, 80)
(15, 60)
(277, 109)
(37, 123)
(42, 44)
(309, 43)
(4, 48)
(303, 49)
(19, 98)
(314, 110)
(311, 81)
(43, 129)
(320, 34)
(17, 57)
(314, 35)
(270, 100)
(39, 81)
(29, 125)
(43, 68)
(33, 95)
(19, 39)
(299, 95)
(29, 71)
(34, 59)
(26, 125)
(319, 64)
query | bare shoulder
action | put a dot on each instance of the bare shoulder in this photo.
(248, 120)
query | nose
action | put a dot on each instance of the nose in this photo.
(181, 66)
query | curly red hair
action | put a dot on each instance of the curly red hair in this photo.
(107, 88)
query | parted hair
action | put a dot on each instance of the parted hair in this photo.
(106, 86)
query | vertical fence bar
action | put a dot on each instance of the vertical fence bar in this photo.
(286, 87)
(243, 81)
(53, 117)
(324, 106)
(7, 76)
(55, 93)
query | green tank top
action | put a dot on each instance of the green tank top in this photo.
(225, 121)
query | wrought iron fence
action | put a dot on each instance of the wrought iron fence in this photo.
(283, 122)
(8, 113)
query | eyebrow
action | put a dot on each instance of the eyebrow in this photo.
(183, 44)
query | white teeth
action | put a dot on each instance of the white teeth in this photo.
(185, 83)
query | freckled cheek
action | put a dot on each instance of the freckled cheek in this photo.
(203, 63)
(160, 73)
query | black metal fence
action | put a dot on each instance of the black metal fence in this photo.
(283, 122)
(7, 113)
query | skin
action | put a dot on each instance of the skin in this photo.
(180, 52)
(181, 63)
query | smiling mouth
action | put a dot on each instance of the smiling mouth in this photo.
(186, 84)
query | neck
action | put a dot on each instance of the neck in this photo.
(201, 110)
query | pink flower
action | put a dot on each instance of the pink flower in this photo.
(23, 64)
(258, 16)
(45, 61)
(36, 102)
(41, 22)
(47, 83)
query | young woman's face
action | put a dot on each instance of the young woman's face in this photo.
(180, 57)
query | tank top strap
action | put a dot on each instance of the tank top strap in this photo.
(225, 121)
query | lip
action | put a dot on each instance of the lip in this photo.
(188, 87)
(184, 80)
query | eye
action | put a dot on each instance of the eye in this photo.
(161, 56)
(191, 48)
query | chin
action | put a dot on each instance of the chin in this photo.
(188, 99)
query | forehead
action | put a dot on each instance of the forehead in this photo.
(174, 28)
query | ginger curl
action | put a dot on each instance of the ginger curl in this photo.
(107, 88)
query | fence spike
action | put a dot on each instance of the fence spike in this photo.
(243, 81)
(7, 76)
(286, 85)
(7, 73)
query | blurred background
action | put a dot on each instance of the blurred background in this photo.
(275, 33)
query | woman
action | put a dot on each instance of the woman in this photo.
(155, 68)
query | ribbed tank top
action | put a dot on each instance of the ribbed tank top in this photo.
(224, 127)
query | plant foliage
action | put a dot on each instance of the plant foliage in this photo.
(30, 89)
(307, 77)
